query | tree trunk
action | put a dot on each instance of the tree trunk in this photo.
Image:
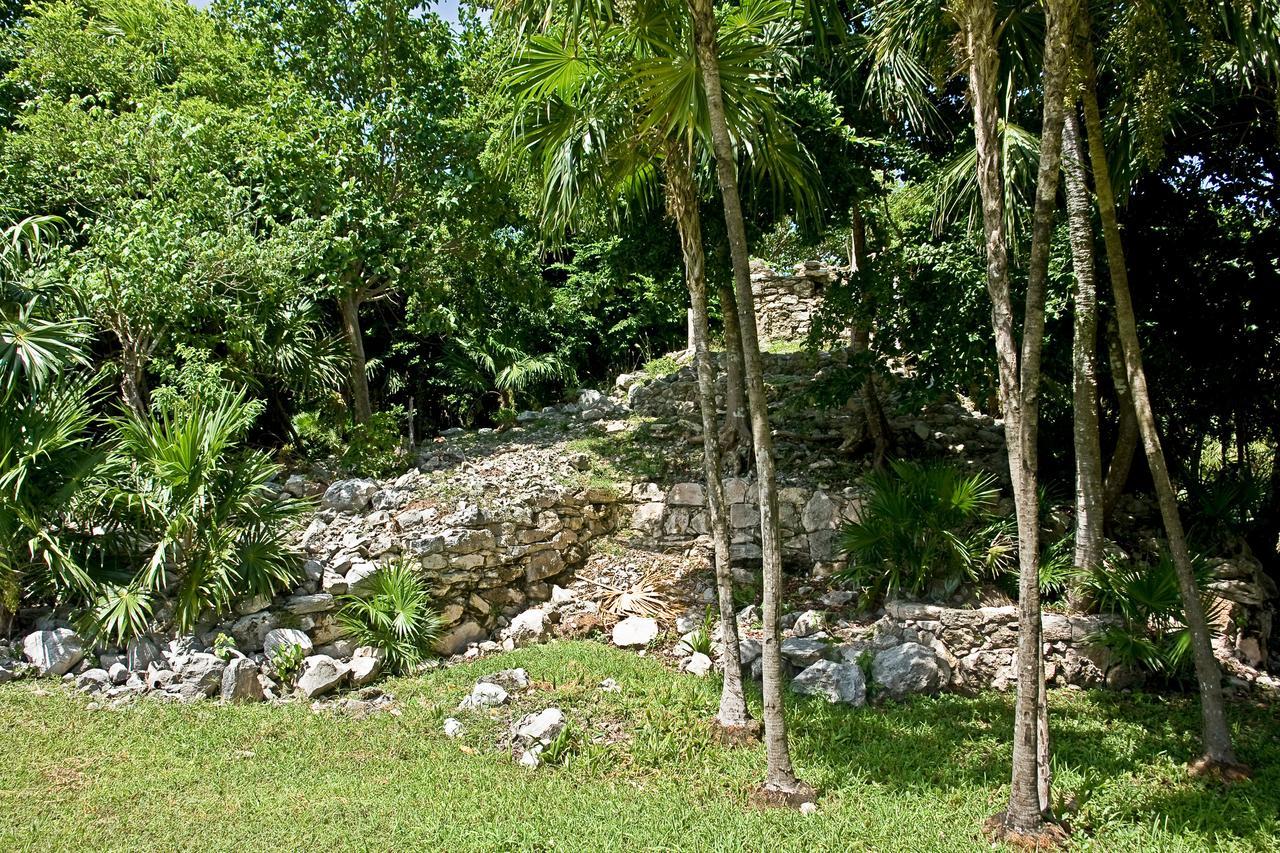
(1084, 354)
(735, 435)
(1127, 436)
(349, 303)
(133, 379)
(860, 342)
(1218, 755)
(781, 784)
(682, 205)
(1019, 383)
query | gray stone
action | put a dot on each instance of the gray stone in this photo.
(119, 673)
(749, 650)
(453, 728)
(240, 682)
(635, 631)
(836, 682)
(508, 679)
(529, 627)
(349, 495)
(803, 652)
(364, 669)
(484, 694)
(460, 637)
(318, 603)
(93, 680)
(53, 652)
(819, 513)
(686, 494)
(320, 674)
(202, 675)
(357, 577)
(809, 622)
(542, 727)
(909, 668)
(697, 664)
(279, 638)
(250, 632)
(296, 485)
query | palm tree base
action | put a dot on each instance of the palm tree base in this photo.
(1218, 770)
(771, 795)
(1047, 834)
(745, 733)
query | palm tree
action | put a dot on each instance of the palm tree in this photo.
(589, 139)
(914, 35)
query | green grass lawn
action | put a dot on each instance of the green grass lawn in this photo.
(645, 774)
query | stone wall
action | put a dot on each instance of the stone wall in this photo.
(787, 302)
(482, 562)
(676, 519)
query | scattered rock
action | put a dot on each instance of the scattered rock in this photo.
(349, 495)
(453, 728)
(484, 695)
(529, 627)
(53, 652)
(240, 682)
(635, 631)
(836, 682)
(93, 680)
(279, 638)
(320, 674)
(542, 727)
(697, 664)
(802, 651)
(909, 668)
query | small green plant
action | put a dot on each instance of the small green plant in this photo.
(925, 524)
(1152, 634)
(376, 448)
(223, 646)
(394, 614)
(701, 641)
(658, 367)
(286, 663)
(562, 746)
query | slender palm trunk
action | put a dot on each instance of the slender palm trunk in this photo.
(1218, 755)
(682, 205)
(1020, 374)
(780, 783)
(1127, 434)
(133, 379)
(349, 304)
(1084, 354)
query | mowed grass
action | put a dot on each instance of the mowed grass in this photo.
(644, 774)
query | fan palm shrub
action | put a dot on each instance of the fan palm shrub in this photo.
(1152, 634)
(205, 521)
(926, 524)
(393, 614)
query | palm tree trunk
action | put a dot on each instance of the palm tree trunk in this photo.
(781, 784)
(1127, 436)
(1218, 756)
(1019, 383)
(349, 304)
(682, 205)
(1084, 354)
(133, 378)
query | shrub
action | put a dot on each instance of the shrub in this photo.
(925, 524)
(204, 520)
(286, 663)
(394, 615)
(1152, 634)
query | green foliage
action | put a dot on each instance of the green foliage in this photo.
(286, 663)
(224, 646)
(1152, 633)
(376, 448)
(701, 641)
(393, 614)
(562, 747)
(921, 525)
(207, 522)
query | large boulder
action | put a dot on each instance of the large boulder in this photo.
(909, 668)
(320, 674)
(279, 638)
(53, 652)
(240, 682)
(836, 682)
(349, 495)
(802, 651)
(635, 631)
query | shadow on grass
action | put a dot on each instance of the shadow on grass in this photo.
(1121, 756)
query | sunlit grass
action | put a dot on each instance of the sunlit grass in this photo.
(644, 772)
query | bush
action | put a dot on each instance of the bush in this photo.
(204, 521)
(1146, 597)
(924, 525)
(394, 615)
